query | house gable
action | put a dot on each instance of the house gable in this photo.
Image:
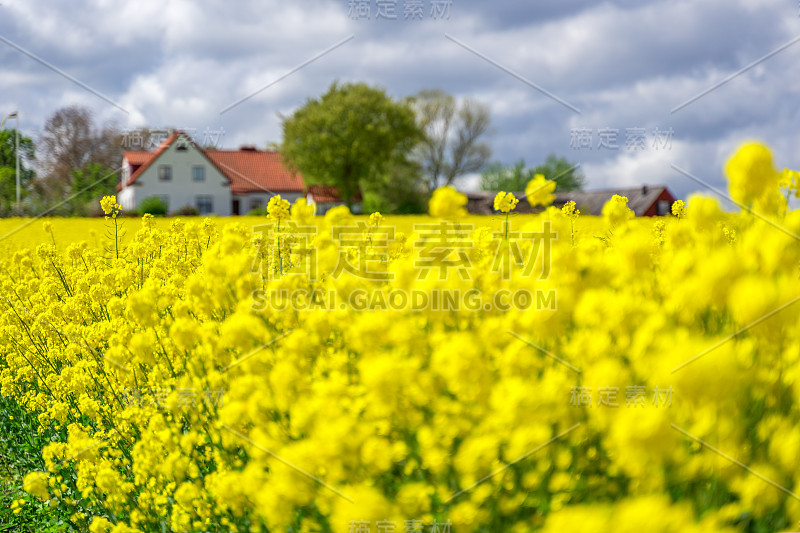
(140, 161)
(179, 172)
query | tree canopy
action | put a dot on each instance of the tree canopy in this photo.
(351, 136)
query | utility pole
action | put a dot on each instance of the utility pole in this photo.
(16, 114)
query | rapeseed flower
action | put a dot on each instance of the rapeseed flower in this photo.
(278, 208)
(446, 202)
(181, 388)
(539, 191)
(751, 174)
(616, 210)
(35, 483)
(110, 206)
(505, 202)
(679, 209)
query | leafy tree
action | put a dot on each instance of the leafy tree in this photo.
(8, 167)
(88, 184)
(453, 145)
(498, 177)
(399, 191)
(567, 176)
(349, 137)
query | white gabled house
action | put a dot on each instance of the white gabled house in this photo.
(222, 182)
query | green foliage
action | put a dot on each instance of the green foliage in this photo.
(512, 178)
(567, 176)
(348, 137)
(398, 191)
(8, 168)
(153, 205)
(258, 212)
(88, 186)
(21, 444)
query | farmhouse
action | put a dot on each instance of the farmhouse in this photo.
(645, 201)
(221, 182)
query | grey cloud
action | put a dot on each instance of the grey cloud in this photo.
(623, 63)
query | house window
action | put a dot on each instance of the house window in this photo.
(198, 173)
(205, 204)
(255, 203)
(662, 208)
(165, 173)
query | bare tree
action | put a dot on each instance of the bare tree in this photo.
(454, 136)
(70, 144)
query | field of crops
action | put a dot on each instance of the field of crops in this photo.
(554, 372)
(17, 233)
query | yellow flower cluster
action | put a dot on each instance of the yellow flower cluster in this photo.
(751, 174)
(36, 483)
(569, 210)
(679, 208)
(302, 212)
(278, 208)
(493, 382)
(110, 206)
(446, 202)
(539, 191)
(505, 202)
(616, 210)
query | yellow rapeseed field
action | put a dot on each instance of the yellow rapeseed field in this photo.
(554, 372)
(17, 233)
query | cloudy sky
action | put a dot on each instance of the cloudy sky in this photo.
(628, 89)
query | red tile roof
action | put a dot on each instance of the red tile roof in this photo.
(255, 171)
(138, 157)
(247, 170)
